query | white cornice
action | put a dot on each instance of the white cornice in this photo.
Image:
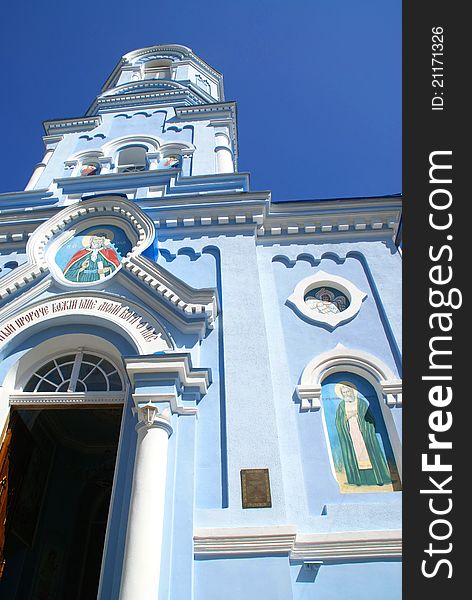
(71, 125)
(170, 96)
(370, 218)
(177, 365)
(184, 51)
(170, 362)
(332, 546)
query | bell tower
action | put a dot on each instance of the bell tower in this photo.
(161, 113)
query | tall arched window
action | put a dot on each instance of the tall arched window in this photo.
(132, 159)
(361, 452)
(79, 372)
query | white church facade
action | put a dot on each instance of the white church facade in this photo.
(200, 389)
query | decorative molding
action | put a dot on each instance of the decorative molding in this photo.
(355, 361)
(134, 320)
(72, 125)
(332, 546)
(173, 51)
(355, 297)
(178, 363)
(189, 303)
(182, 207)
(176, 366)
(69, 398)
(182, 297)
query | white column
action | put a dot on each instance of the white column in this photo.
(38, 170)
(224, 155)
(142, 559)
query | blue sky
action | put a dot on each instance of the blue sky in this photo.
(317, 82)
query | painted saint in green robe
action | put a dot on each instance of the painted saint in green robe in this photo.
(94, 262)
(363, 458)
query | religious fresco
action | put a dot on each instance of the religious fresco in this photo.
(326, 300)
(169, 162)
(93, 254)
(89, 169)
(361, 451)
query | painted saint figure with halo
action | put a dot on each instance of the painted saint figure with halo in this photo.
(363, 458)
(95, 261)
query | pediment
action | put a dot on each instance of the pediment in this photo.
(94, 247)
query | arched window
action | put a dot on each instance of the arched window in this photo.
(79, 372)
(132, 159)
(157, 69)
(361, 452)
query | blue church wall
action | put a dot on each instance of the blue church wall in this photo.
(247, 385)
(355, 581)
(211, 442)
(293, 343)
(11, 260)
(197, 269)
(249, 578)
(365, 332)
(180, 538)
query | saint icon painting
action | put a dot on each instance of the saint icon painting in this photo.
(360, 448)
(326, 301)
(92, 255)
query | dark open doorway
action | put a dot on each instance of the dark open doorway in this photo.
(59, 467)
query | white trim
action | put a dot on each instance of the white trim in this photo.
(67, 398)
(341, 359)
(333, 546)
(170, 363)
(97, 211)
(127, 317)
(354, 361)
(355, 297)
(174, 364)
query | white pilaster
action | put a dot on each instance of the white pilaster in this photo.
(142, 559)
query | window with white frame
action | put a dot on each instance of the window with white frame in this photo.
(76, 372)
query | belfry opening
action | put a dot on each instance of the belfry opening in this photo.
(57, 474)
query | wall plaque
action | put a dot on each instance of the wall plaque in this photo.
(255, 488)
